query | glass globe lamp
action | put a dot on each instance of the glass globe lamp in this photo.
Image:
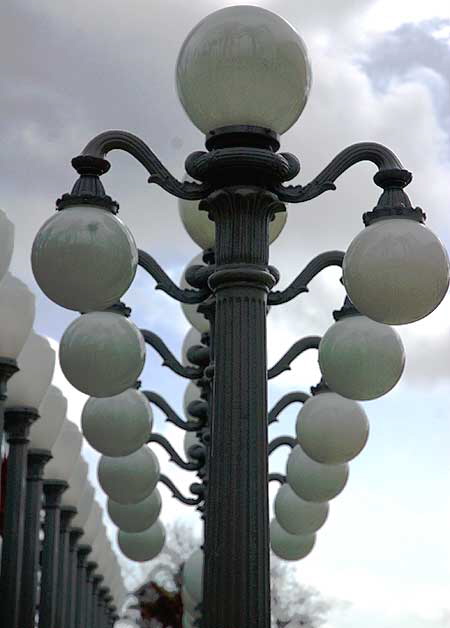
(194, 317)
(119, 425)
(396, 271)
(92, 526)
(297, 516)
(243, 65)
(290, 546)
(77, 481)
(332, 429)
(360, 358)
(66, 453)
(17, 310)
(83, 506)
(102, 354)
(6, 243)
(84, 258)
(190, 440)
(36, 362)
(130, 479)
(192, 338)
(193, 575)
(52, 412)
(314, 481)
(142, 546)
(189, 604)
(136, 517)
(192, 393)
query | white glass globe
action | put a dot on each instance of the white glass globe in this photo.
(17, 310)
(130, 479)
(36, 362)
(92, 526)
(119, 425)
(190, 439)
(84, 258)
(66, 453)
(332, 429)
(189, 604)
(195, 318)
(52, 412)
(142, 546)
(202, 229)
(396, 271)
(193, 575)
(102, 354)
(192, 338)
(243, 65)
(192, 393)
(6, 243)
(77, 482)
(83, 506)
(296, 515)
(290, 546)
(136, 517)
(313, 481)
(360, 358)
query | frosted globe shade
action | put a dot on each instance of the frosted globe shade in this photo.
(142, 546)
(297, 516)
(201, 228)
(17, 310)
(290, 546)
(187, 621)
(77, 482)
(102, 354)
(66, 453)
(136, 517)
(193, 575)
(360, 358)
(192, 338)
(99, 545)
(189, 604)
(332, 429)
(6, 243)
(130, 479)
(36, 362)
(243, 65)
(84, 258)
(52, 412)
(194, 317)
(192, 393)
(396, 271)
(83, 506)
(92, 526)
(119, 425)
(190, 439)
(313, 481)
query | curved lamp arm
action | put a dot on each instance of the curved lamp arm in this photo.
(152, 339)
(165, 283)
(300, 283)
(284, 402)
(284, 364)
(188, 501)
(378, 154)
(105, 142)
(174, 457)
(280, 441)
(277, 477)
(171, 415)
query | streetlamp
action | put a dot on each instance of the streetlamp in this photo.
(243, 77)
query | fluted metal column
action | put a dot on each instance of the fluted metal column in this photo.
(66, 516)
(103, 592)
(97, 580)
(53, 490)
(8, 367)
(17, 428)
(36, 461)
(236, 574)
(91, 566)
(80, 605)
(74, 536)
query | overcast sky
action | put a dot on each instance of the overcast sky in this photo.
(381, 72)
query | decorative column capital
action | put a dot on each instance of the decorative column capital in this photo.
(18, 421)
(82, 554)
(8, 367)
(67, 514)
(53, 490)
(37, 459)
(75, 535)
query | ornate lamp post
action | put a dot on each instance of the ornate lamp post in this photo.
(243, 77)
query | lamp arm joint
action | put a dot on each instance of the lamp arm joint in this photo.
(284, 402)
(188, 501)
(299, 347)
(152, 339)
(171, 415)
(174, 456)
(281, 441)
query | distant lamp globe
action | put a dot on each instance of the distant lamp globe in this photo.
(193, 575)
(119, 425)
(314, 481)
(6, 243)
(192, 338)
(192, 393)
(142, 546)
(332, 429)
(360, 358)
(17, 310)
(136, 517)
(237, 67)
(52, 412)
(84, 258)
(396, 271)
(130, 479)
(66, 453)
(297, 516)
(195, 318)
(290, 546)
(102, 354)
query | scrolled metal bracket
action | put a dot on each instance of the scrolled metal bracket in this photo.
(281, 441)
(284, 364)
(188, 501)
(277, 477)
(171, 415)
(300, 283)
(105, 142)
(174, 457)
(165, 283)
(284, 402)
(152, 339)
